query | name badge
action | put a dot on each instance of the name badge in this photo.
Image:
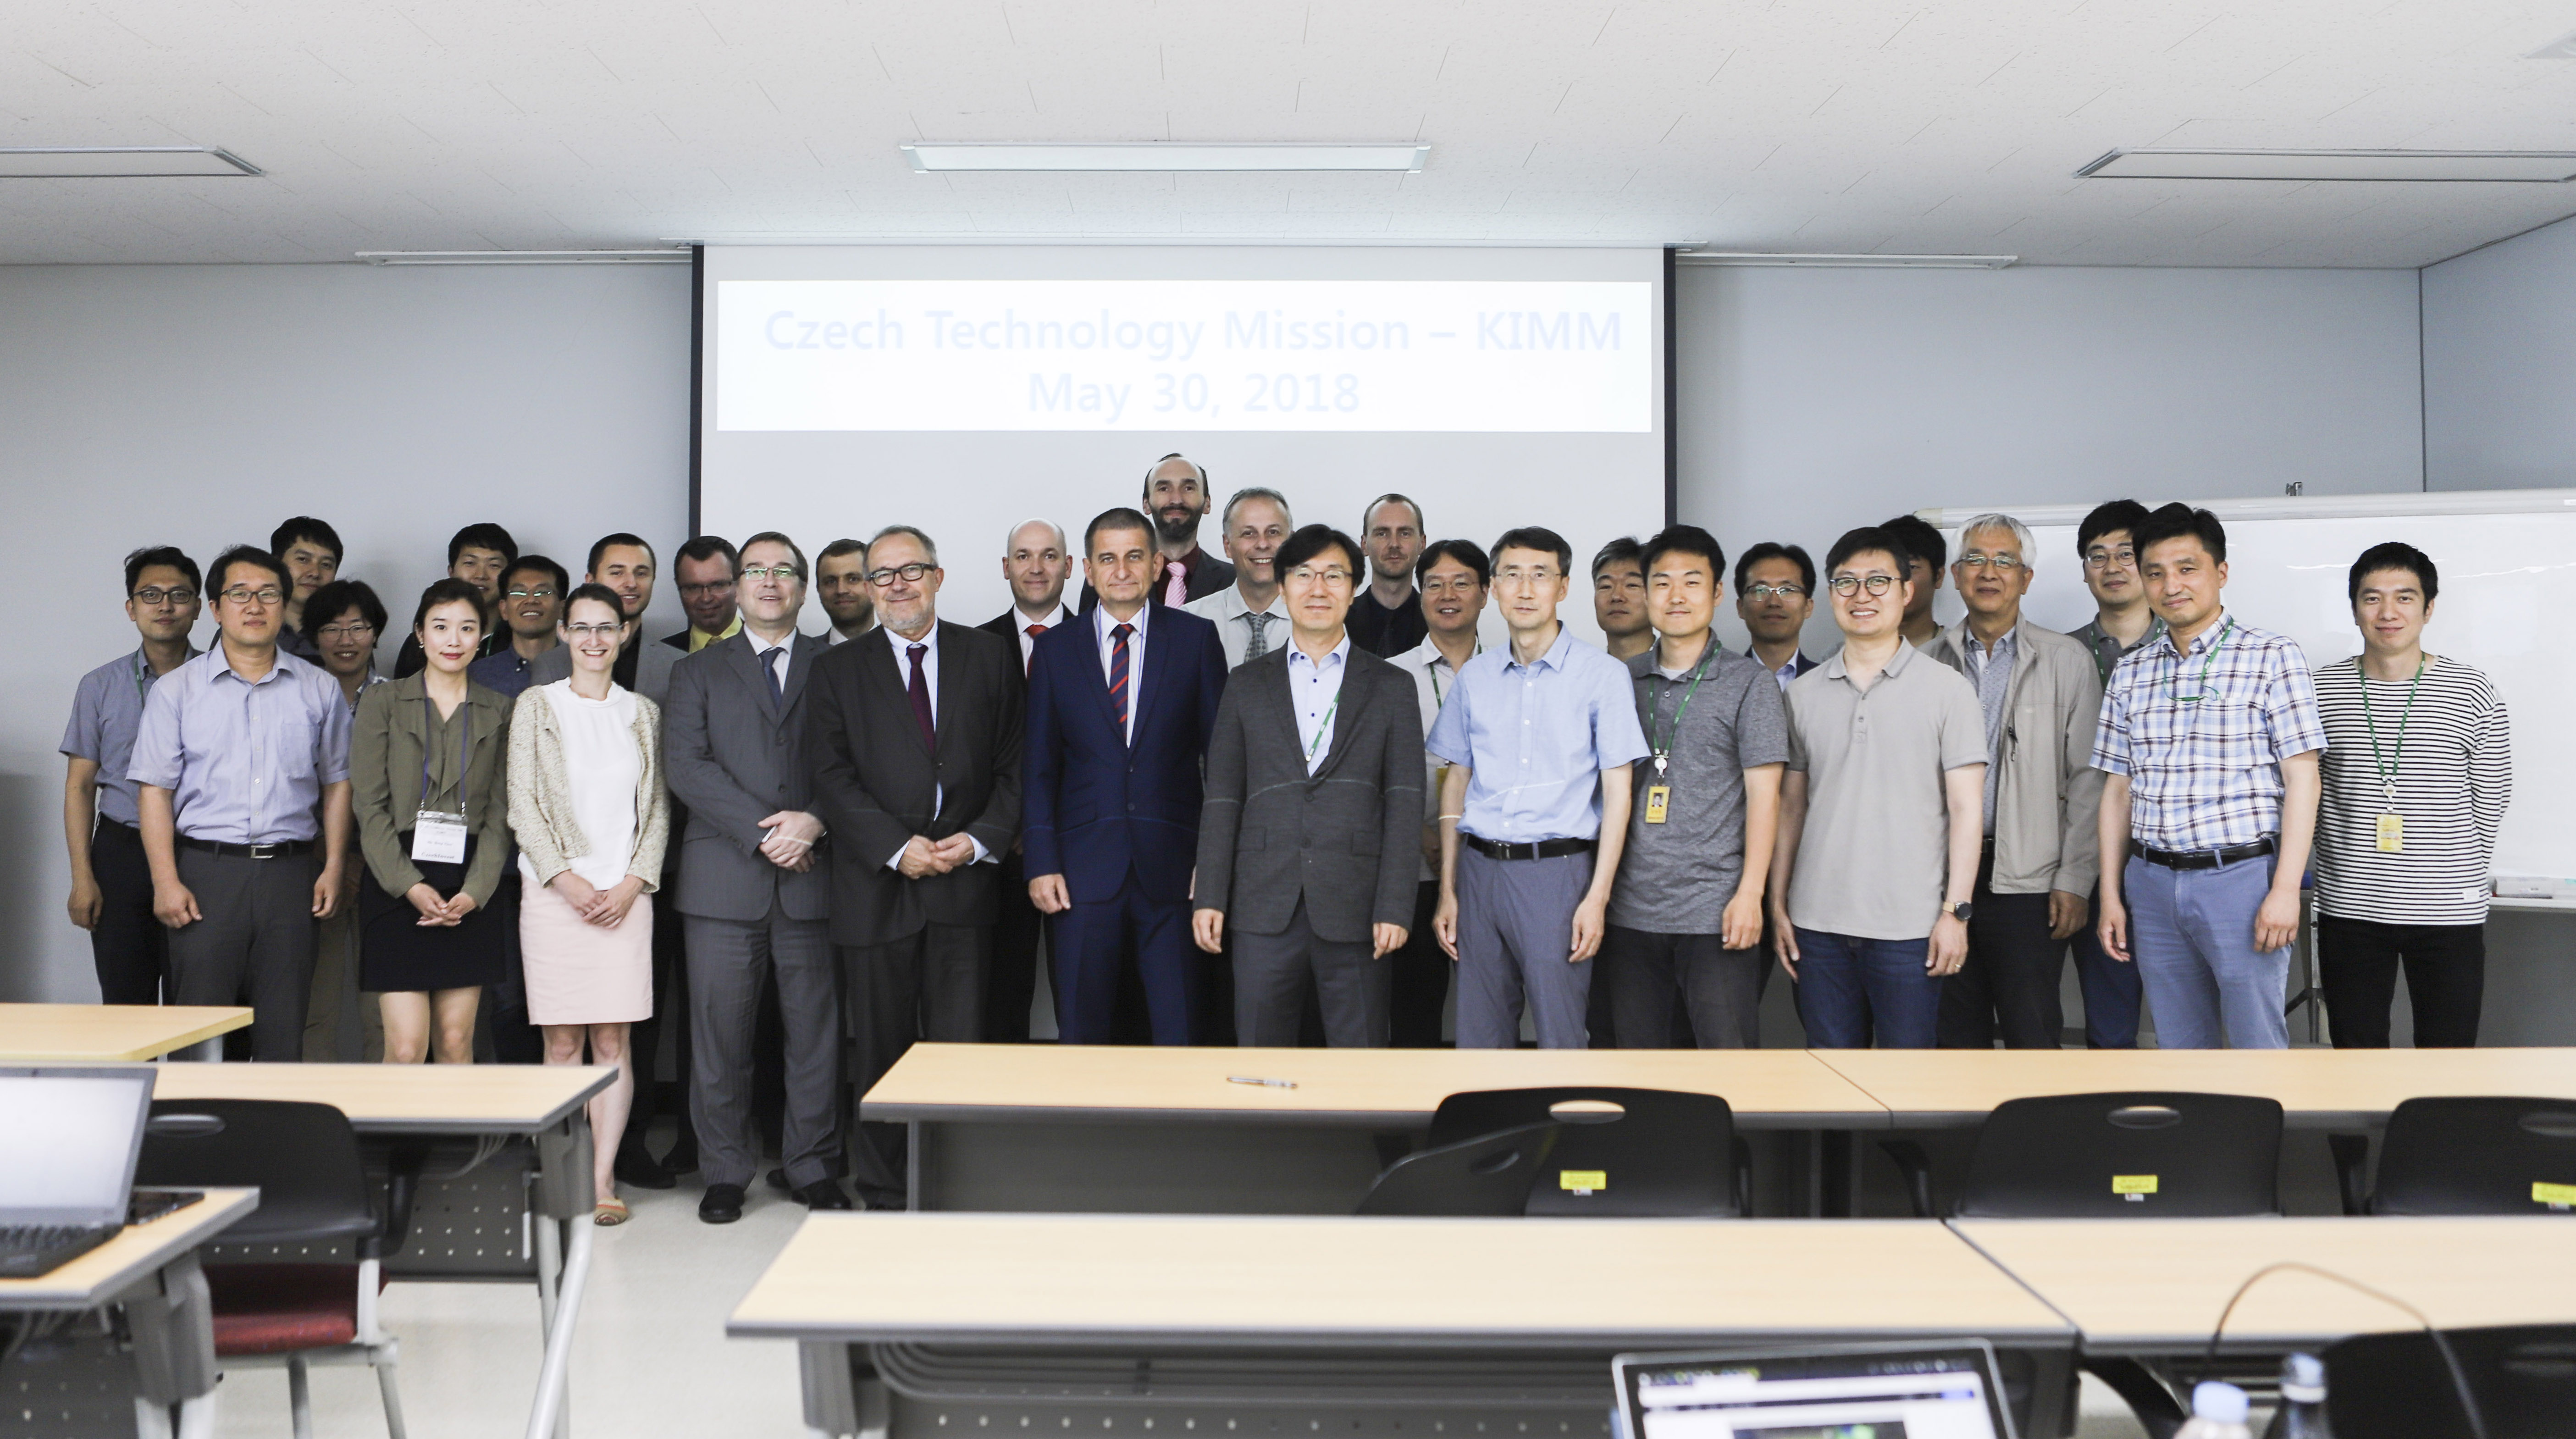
(1659, 799)
(438, 838)
(2392, 834)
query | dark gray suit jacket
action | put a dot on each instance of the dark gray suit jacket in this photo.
(735, 754)
(1346, 839)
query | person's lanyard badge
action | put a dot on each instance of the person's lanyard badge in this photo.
(2392, 825)
(1659, 795)
(438, 837)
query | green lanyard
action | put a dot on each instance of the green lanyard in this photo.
(1326, 725)
(1439, 700)
(1662, 688)
(2388, 767)
(2206, 660)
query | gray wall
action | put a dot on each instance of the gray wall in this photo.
(2500, 365)
(199, 405)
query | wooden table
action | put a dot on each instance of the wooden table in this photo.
(150, 1271)
(486, 1218)
(2156, 1286)
(1074, 1128)
(2319, 1088)
(1207, 1318)
(108, 1033)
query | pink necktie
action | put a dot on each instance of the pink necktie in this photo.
(1176, 591)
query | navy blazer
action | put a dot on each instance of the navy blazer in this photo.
(1093, 807)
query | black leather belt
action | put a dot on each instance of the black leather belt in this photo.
(1542, 849)
(2202, 858)
(282, 849)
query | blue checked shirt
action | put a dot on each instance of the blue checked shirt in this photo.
(2206, 774)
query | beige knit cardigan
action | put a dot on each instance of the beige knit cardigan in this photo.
(541, 792)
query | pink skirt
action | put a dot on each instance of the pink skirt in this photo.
(582, 973)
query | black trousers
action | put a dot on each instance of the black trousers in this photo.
(927, 985)
(2446, 979)
(670, 1000)
(253, 944)
(1013, 984)
(129, 946)
(1677, 991)
(2010, 981)
(1419, 978)
(514, 1039)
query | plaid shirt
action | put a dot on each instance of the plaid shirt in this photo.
(2206, 774)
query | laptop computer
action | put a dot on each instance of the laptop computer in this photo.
(69, 1139)
(1868, 1391)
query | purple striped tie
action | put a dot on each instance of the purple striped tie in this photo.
(1118, 675)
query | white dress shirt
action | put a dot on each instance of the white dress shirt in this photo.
(1433, 678)
(1101, 625)
(774, 656)
(930, 681)
(1315, 692)
(1022, 619)
(1233, 620)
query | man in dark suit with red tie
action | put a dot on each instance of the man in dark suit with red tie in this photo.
(1036, 562)
(1121, 706)
(916, 746)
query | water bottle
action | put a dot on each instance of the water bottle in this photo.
(2217, 1412)
(2302, 1414)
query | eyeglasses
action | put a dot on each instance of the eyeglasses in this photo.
(1768, 592)
(541, 592)
(334, 634)
(584, 632)
(910, 574)
(711, 587)
(1308, 575)
(2000, 564)
(1515, 575)
(780, 573)
(177, 595)
(1845, 585)
(2124, 559)
(241, 596)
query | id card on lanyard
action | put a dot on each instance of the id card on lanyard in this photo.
(437, 836)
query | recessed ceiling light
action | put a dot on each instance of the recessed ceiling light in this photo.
(1163, 156)
(525, 257)
(118, 162)
(1847, 262)
(2500, 166)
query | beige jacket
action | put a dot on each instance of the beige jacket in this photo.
(2048, 797)
(541, 792)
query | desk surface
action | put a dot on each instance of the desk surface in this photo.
(405, 1098)
(1118, 1279)
(98, 1033)
(2159, 1284)
(107, 1271)
(1383, 1087)
(2317, 1086)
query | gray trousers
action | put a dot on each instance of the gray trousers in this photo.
(2191, 933)
(1515, 931)
(728, 959)
(1271, 972)
(927, 985)
(254, 943)
(1720, 989)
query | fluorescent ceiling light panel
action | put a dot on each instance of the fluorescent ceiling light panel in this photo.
(2505, 166)
(1847, 262)
(524, 257)
(1163, 157)
(121, 162)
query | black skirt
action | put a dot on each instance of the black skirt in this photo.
(397, 953)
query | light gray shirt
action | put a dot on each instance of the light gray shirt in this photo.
(1990, 670)
(1676, 877)
(1235, 622)
(1433, 678)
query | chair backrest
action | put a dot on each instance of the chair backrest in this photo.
(302, 1158)
(2397, 1386)
(1486, 1176)
(2497, 1155)
(1666, 1153)
(2131, 1155)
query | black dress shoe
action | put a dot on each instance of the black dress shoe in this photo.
(722, 1204)
(882, 1199)
(683, 1158)
(824, 1194)
(778, 1181)
(635, 1166)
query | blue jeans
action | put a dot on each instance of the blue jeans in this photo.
(2191, 932)
(2111, 991)
(1848, 985)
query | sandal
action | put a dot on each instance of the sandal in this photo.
(609, 1212)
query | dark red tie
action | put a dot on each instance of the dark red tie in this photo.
(1118, 675)
(921, 699)
(1034, 632)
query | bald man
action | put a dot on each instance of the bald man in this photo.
(1177, 497)
(1036, 562)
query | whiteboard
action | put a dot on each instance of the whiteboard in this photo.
(2506, 559)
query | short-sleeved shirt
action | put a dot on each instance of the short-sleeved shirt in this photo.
(2201, 736)
(1433, 679)
(2106, 647)
(245, 762)
(1536, 738)
(2454, 776)
(1875, 850)
(107, 710)
(1676, 877)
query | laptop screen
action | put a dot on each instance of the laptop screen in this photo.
(1858, 1393)
(68, 1142)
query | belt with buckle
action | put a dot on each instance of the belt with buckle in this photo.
(2204, 858)
(1542, 849)
(280, 849)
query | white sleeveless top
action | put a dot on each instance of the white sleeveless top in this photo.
(601, 762)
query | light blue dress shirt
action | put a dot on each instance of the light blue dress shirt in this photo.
(1536, 738)
(107, 711)
(1315, 692)
(245, 762)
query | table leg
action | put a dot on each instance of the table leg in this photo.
(561, 1201)
(551, 1378)
(831, 1397)
(205, 1051)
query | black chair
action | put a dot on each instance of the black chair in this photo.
(1487, 1176)
(1659, 1153)
(2398, 1386)
(271, 1308)
(2114, 1156)
(2485, 1155)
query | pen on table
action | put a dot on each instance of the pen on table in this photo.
(1267, 1083)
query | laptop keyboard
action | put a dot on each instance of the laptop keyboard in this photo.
(28, 1250)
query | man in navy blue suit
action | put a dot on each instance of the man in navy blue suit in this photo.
(1121, 706)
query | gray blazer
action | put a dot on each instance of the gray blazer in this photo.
(734, 754)
(1345, 839)
(653, 663)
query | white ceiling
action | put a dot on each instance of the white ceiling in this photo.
(1806, 125)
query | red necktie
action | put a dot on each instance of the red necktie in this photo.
(1118, 675)
(1034, 632)
(1176, 591)
(921, 699)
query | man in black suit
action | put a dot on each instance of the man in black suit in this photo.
(1177, 496)
(1035, 562)
(1314, 796)
(916, 748)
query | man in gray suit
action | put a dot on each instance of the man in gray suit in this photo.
(1314, 801)
(752, 899)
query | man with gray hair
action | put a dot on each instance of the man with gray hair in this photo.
(1036, 562)
(2042, 696)
(1251, 619)
(1386, 619)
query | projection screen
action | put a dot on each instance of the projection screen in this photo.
(966, 388)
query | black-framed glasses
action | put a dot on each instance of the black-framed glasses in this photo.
(1846, 585)
(911, 574)
(2122, 558)
(242, 595)
(150, 596)
(1769, 592)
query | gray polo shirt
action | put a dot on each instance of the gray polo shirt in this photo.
(1875, 849)
(1676, 877)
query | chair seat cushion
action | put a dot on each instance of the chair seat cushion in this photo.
(276, 1308)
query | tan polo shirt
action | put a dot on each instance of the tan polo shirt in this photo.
(1875, 850)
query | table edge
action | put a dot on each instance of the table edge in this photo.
(240, 1203)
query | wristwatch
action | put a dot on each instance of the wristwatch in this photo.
(1959, 911)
